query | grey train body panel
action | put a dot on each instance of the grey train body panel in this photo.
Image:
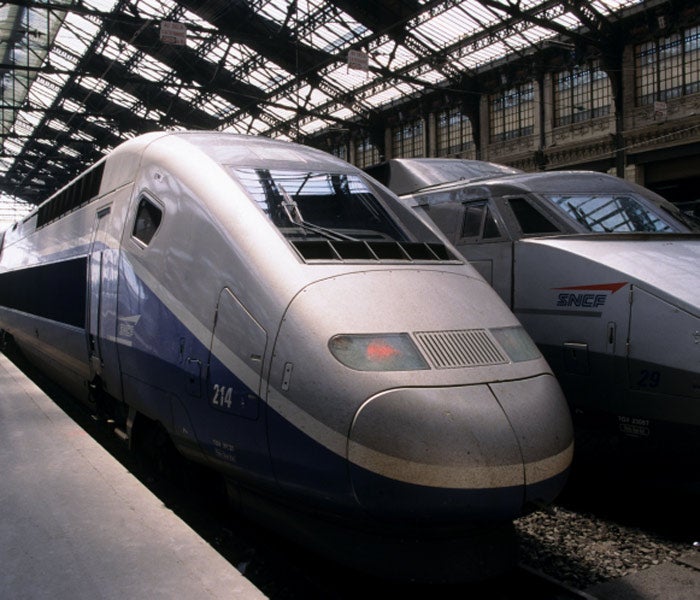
(602, 273)
(287, 321)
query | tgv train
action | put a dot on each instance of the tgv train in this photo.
(283, 318)
(604, 275)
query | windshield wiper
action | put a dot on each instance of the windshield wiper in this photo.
(578, 213)
(292, 212)
(691, 222)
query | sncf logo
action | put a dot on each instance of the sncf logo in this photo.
(585, 300)
(587, 296)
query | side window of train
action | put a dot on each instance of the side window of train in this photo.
(148, 218)
(479, 223)
(447, 216)
(531, 220)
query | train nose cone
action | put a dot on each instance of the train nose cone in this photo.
(439, 454)
(540, 417)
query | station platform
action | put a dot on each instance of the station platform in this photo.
(679, 580)
(74, 523)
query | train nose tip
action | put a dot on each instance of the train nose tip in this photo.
(445, 453)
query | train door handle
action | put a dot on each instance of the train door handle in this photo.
(194, 376)
(612, 335)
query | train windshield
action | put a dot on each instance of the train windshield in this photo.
(613, 213)
(320, 204)
(330, 216)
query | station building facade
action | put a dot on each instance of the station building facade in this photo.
(628, 105)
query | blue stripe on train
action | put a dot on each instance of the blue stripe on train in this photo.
(171, 377)
(249, 441)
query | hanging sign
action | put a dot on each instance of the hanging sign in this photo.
(358, 60)
(173, 33)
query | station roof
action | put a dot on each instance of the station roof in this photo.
(80, 76)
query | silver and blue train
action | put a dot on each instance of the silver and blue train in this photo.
(287, 321)
(604, 274)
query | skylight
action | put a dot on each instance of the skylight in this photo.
(72, 61)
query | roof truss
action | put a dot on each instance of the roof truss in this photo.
(79, 76)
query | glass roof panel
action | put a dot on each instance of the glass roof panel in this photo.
(154, 9)
(25, 40)
(349, 79)
(443, 29)
(568, 20)
(310, 96)
(313, 126)
(478, 57)
(392, 55)
(268, 76)
(247, 126)
(190, 92)
(342, 113)
(151, 68)
(609, 6)
(468, 35)
(214, 105)
(45, 93)
(389, 93)
(337, 35)
(428, 75)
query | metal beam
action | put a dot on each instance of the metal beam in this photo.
(188, 65)
(240, 23)
(150, 93)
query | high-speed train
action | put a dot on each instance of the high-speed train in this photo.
(604, 275)
(284, 319)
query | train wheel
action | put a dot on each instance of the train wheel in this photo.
(5, 341)
(157, 451)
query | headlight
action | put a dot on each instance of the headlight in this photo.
(517, 343)
(381, 352)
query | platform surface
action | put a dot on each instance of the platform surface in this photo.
(667, 581)
(74, 523)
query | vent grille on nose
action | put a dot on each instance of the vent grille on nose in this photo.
(466, 348)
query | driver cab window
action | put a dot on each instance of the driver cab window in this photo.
(479, 223)
(531, 220)
(148, 219)
(447, 216)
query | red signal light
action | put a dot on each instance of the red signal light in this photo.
(380, 350)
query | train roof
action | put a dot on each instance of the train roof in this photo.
(411, 175)
(408, 175)
(565, 182)
(241, 150)
(559, 183)
(478, 180)
(229, 149)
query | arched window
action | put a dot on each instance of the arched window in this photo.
(512, 113)
(407, 140)
(366, 153)
(454, 134)
(668, 67)
(580, 94)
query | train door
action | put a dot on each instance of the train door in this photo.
(101, 313)
(236, 425)
(95, 289)
(662, 341)
(487, 247)
(478, 232)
